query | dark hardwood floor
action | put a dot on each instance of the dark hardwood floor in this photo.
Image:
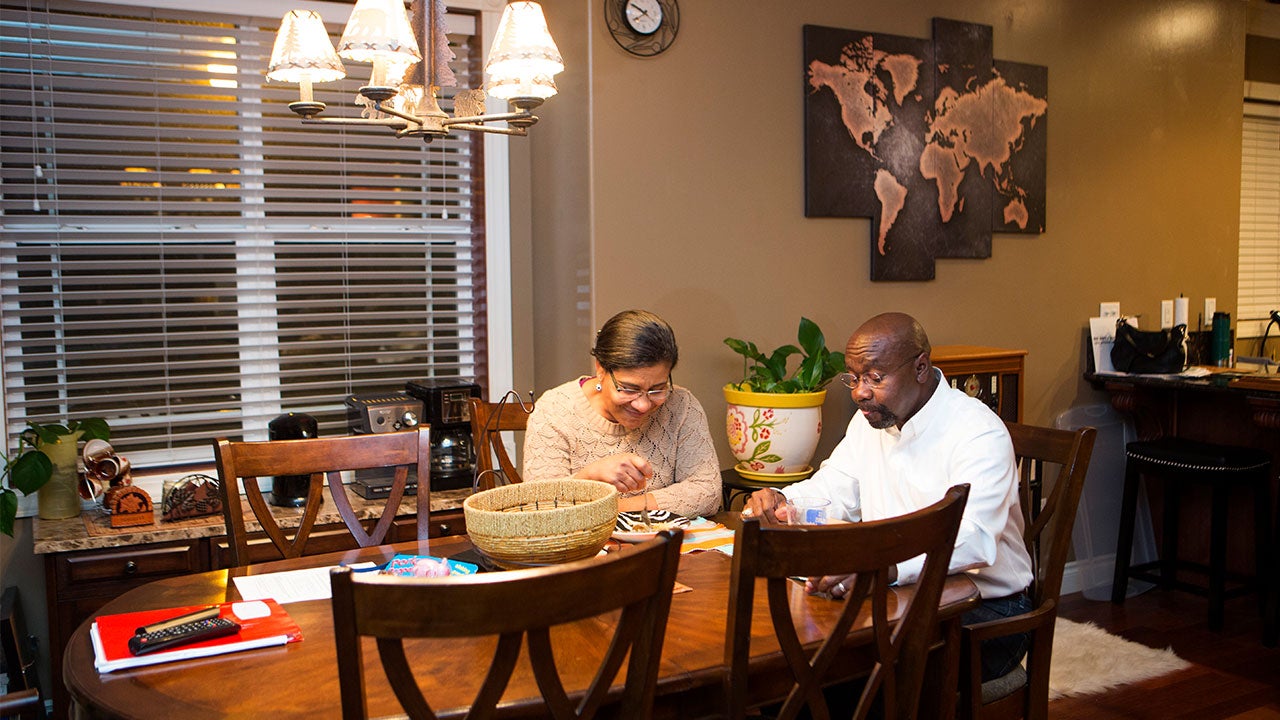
(1233, 674)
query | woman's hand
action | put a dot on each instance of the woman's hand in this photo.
(627, 472)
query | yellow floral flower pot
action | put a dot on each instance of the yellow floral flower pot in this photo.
(774, 433)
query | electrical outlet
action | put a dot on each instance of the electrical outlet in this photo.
(1166, 314)
(1210, 307)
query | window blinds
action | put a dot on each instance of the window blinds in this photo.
(1259, 283)
(181, 256)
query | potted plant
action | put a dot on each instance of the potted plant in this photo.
(774, 417)
(45, 452)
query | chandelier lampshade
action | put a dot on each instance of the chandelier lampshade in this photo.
(524, 58)
(303, 54)
(378, 32)
(410, 59)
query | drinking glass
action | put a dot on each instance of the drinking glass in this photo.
(807, 511)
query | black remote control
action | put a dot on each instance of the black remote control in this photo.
(182, 635)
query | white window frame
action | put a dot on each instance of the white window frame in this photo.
(1262, 100)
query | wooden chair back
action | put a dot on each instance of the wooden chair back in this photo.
(488, 422)
(637, 580)
(240, 464)
(1056, 461)
(778, 553)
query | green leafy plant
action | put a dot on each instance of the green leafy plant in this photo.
(768, 373)
(27, 469)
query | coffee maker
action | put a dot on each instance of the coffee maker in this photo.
(446, 407)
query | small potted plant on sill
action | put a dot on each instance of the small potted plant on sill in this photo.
(774, 418)
(46, 461)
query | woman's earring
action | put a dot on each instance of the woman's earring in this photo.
(599, 387)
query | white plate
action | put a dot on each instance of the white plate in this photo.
(626, 520)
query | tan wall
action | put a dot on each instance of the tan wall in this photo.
(675, 184)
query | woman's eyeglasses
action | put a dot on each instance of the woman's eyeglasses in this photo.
(634, 393)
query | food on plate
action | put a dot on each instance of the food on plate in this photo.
(654, 527)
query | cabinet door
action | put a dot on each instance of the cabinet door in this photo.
(993, 375)
(443, 523)
(327, 538)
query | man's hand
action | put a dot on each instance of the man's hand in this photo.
(765, 504)
(838, 586)
(627, 472)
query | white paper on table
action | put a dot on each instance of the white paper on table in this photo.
(287, 586)
(1102, 332)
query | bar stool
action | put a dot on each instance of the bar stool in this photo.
(1178, 462)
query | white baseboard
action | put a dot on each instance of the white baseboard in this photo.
(1092, 574)
(1071, 582)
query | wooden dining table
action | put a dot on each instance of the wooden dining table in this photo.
(300, 679)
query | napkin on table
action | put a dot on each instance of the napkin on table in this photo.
(703, 534)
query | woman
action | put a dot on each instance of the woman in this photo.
(628, 425)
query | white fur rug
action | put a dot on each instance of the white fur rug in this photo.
(1087, 660)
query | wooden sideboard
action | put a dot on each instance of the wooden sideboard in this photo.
(85, 569)
(993, 375)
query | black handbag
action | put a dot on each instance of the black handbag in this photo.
(1155, 351)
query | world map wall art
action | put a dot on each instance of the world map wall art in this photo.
(936, 141)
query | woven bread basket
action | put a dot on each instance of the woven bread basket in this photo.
(542, 522)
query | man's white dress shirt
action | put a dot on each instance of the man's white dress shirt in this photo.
(875, 474)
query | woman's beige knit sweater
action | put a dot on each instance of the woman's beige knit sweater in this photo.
(565, 434)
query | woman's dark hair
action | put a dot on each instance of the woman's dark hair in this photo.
(635, 338)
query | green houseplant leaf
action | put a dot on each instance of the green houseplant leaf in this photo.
(768, 373)
(30, 472)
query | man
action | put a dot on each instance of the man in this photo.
(913, 437)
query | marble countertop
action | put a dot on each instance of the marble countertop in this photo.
(54, 536)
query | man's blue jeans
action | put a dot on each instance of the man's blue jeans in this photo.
(1001, 655)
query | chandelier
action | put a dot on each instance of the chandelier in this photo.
(410, 57)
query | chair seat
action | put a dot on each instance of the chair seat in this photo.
(1005, 685)
(1192, 456)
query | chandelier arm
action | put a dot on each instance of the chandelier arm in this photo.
(455, 121)
(412, 119)
(495, 130)
(354, 121)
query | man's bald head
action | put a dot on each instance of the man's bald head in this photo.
(892, 334)
(890, 353)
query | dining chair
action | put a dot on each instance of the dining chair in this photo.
(1024, 692)
(22, 704)
(869, 549)
(488, 422)
(535, 603)
(241, 464)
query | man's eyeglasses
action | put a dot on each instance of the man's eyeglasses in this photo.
(871, 379)
(634, 393)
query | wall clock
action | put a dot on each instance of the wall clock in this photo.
(643, 27)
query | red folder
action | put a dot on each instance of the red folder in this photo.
(110, 634)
